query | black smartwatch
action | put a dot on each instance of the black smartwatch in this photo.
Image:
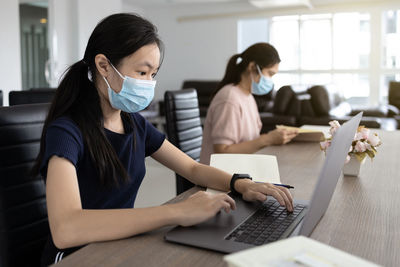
(233, 180)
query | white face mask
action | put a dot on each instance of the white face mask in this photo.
(134, 96)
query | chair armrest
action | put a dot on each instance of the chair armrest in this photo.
(378, 111)
(392, 111)
(397, 118)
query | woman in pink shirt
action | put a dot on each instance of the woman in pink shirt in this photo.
(233, 123)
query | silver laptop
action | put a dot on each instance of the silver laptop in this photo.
(253, 224)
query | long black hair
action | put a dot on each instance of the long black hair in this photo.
(116, 36)
(263, 54)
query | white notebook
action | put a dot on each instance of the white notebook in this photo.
(262, 168)
(295, 252)
(311, 134)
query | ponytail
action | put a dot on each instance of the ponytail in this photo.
(232, 73)
(78, 98)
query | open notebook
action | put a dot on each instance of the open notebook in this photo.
(305, 134)
(262, 168)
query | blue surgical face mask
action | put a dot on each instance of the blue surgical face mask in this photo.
(264, 86)
(134, 96)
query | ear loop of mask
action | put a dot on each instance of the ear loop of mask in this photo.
(259, 72)
(116, 71)
(104, 78)
(120, 75)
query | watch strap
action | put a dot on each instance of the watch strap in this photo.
(235, 177)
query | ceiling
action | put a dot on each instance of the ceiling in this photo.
(163, 3)
(187, 3)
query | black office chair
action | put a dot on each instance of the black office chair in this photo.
(23, 214)
(394, 94)
(32, 96)
(183, 127)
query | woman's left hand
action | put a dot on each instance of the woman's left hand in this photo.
(279, 136)
(252, 191)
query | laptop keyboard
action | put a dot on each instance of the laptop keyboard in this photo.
(267, 224)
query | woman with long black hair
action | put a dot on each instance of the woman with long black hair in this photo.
(233, 123)
(94, 144)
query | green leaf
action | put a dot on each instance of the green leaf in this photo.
(370, 153)
(360, 156)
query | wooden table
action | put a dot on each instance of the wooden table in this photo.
(363, 217)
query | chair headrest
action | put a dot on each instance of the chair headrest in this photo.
(282, 99)
(23, 113)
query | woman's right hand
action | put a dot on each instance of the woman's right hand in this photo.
(279, 136)
(201, 206)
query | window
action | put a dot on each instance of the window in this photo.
(391, 39)
(315, 42)
(334, 49)
(327, 49)
(287, 43)
(351, 41)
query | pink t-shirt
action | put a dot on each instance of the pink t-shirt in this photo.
(232, 118)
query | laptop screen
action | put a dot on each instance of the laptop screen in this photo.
(330, 173)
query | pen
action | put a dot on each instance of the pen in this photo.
(283, 185)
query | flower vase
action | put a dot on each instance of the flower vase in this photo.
(352, 168)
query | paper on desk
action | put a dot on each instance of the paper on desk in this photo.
(262, 168)
(293, 252)
(305, 134)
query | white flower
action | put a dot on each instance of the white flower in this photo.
(374, 140)
(324, 145)
(334, 126)
(367, 146)
(360, 147)
(364, 133)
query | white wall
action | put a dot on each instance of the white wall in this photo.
(131, 8)
(90, 12)
(10, 49)
(62, 37)
(251, 32)
(70, 24)
(193, 49)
